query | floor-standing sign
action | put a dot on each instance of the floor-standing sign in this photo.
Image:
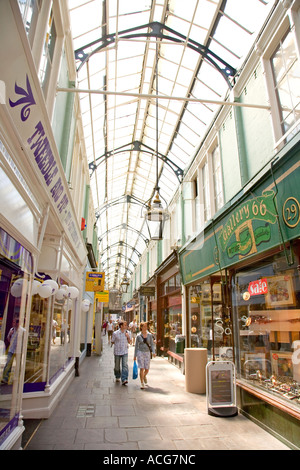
(221, 389)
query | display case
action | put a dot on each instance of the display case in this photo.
(266, 300)
(171, 308)
(210, 323)
(14, 288)
(37, 347)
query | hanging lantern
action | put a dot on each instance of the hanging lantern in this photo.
(156, 217)
(124, 285)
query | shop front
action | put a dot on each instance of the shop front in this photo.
(170, 334)
(209, 322)
(243, 299)
(38, 212)
(50, 348)
(16, 264)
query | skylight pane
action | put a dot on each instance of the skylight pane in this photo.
(128, 65)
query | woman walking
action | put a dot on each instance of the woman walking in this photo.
(144, 346)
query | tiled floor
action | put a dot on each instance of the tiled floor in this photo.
(98, 414)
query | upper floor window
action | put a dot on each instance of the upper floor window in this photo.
(286, 74)
(48, 52)
(217, 178)
(29, 11)
(205, 192)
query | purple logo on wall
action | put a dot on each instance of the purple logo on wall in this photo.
(27, 99)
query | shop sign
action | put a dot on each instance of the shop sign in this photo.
(25, 104)
(258, 287)
(257, 223)
(147, 290)
(94, 282)
(102, 296)
(240, 224)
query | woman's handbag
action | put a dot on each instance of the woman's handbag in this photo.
(135, 371)
(146, 342)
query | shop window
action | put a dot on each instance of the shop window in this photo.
(14, 286)
(60, 341)
(210, 325)
(266, 301)
(152, 316)
(38, 343)
(48, 343)
(286, 75)
(178, 281)
(171, 284)
(173, 324)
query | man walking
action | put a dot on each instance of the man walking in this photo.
(121, 339)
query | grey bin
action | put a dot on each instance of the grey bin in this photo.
(179, 344)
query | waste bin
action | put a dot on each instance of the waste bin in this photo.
(179, 344)
(195, 360)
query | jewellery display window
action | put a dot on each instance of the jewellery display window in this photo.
(14, 285)
(209, 322)
(48, 340)
(266, 303)
(172, 324)
(38, 343)
(172, 316)
(152, 316)
(60, 335)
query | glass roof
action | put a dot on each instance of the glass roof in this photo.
(201, 44)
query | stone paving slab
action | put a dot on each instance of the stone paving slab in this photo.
(96, 413)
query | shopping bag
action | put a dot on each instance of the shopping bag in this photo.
(135, 371)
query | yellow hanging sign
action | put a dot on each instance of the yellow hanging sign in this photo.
(102, 296)
(94, 282)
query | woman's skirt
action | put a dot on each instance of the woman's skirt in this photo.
(143, 359)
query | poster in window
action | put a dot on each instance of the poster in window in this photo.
(282, 363)
(280, 291)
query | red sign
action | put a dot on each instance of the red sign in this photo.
(258, 287)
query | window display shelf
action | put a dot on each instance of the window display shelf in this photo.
(263, 394)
